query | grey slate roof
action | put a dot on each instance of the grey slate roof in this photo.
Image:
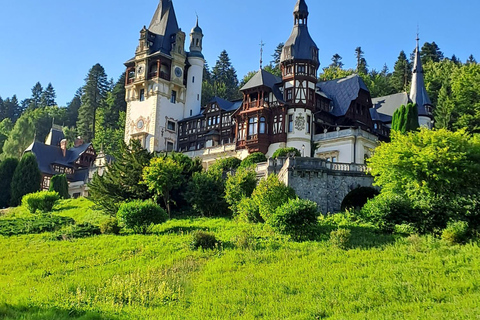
(342, 92)
(54, 137)
(388, 104)
(48, 154)
(376, 116)
(163, 25)
(301, 7)
(418, 92)
(265, 78)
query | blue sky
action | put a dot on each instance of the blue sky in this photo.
(58, 41)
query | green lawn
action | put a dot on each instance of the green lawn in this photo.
(158, 276)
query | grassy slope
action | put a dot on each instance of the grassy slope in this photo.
(159, 277)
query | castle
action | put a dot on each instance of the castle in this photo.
(335, 120)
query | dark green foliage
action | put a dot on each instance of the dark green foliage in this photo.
(204, 240)
(121, 181)
(405, 118)
(36, 99)
(357, 198)
(76, 231)
(72, 109)
(286, 152)
(296, 218)
(138, 215)
(387, 210)
(248, 211)
(254, 158)
(38, 224)
(340, 238)
(238, 186)
(270, 194)
(59, 184)
(48, 97)
(110, 226)
(361, 62)
(6, 126)
(224, 73)
(456, 232)
(7, 168)
(206, 193)
(26, 178)
(402, 73)
(430, 52)
(227, 164)
(42, 201)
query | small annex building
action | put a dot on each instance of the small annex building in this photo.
(53, 157)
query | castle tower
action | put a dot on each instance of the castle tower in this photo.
(299, 63)
(155, 83)
(418, 92)
(195, 73)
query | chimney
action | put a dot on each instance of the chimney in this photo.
(78, 142)
(63, 146)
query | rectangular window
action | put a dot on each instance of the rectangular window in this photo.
(174, 97)
(290, 123)
(171, 125)
(289, 95)
(142, 94)
(169, 146)
(308, 123)
(301, 69)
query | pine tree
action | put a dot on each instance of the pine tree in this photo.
(471, 60)
(36, 99)
(94, 94)
(72, 109)
(59, 184)
(224, 74)
(26, 178)
(401, 75)
(48, 97)
(275, 63)
(361, 62)
(7, 168)
(336, 61)
(431, 52)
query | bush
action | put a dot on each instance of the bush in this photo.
(204, 240)
(284, 152)
(456, 232)
(357, 198)
(239, 186)
(26, 178)
(270, 194)
(59, 184)
(110, 226)
(252, 159)
(340, 238)
(7, 168)
(138, 215)
(42, 201)
(248, 211)
(75, 231)
(38, 224)
(245, 240)
(387, 210)
(295, 218)
(227, 164)
(206, 193)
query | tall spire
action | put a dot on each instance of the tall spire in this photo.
(418, 92)
(261, 54)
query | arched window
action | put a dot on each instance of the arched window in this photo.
(263, 125)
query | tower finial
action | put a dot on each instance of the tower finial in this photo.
(261, 53)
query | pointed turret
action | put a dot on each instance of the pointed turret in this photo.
(418, 92)
(196, 39)
(163, 27)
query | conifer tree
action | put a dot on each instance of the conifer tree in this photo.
(431, 52)
(224, 74)
(7, 168)
(59, 184)
(94, 94)
(72, 109)
(402, 74)
(26, 178)
(361, 62)
(36, 99)
(336, 61)
(48, 97)
(471, 59)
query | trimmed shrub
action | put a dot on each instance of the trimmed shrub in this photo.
(456, 232)
(284, 152)
(204, 240)
(42, 201)
(340, 238)
(75, 231)
(7, 168)
(252, 159)
(59, 184)
(110, 226)
(248, 211)
(206, 193)
(138, 215)
(26, 178)
(227, 164)
(387, 210)
(239, 186)
(270, 194)
(357, 198)
(295, 218)
(38, 224)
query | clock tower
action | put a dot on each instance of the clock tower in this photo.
(158, 90)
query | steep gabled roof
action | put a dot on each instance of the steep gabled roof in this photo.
(163, 25)
(388, 104)
(266, 79)
(342, 92)
(418, 92)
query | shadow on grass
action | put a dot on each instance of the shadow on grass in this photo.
(9, 312)
(178, 230)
